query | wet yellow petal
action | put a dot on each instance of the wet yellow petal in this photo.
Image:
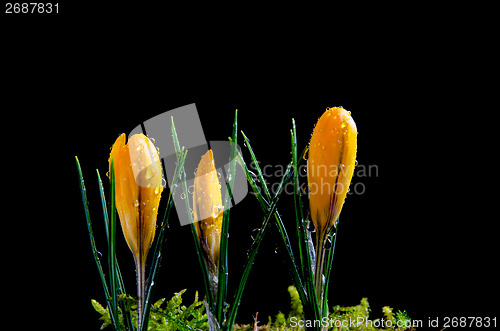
(330, 165)
(207, 207)
(138, 179)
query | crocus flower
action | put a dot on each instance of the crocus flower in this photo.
(138, 187)
(330, 166)
(207, 208)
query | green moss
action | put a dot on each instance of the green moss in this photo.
(340, 318)
(174, 316)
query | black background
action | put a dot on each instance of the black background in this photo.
(420, 237)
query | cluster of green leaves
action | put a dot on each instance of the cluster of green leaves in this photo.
(174, 316)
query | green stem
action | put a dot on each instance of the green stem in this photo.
(140, 267)
(328, 268)
(318, 273)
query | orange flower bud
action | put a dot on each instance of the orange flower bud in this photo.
(138, 187)
(208, 208)
(330, 166)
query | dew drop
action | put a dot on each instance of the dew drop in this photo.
(217, 210)
(191, 189)
(163, 182)
(328, 243)
(254, 233)
(311, 227)
(136, 203)
(183, 195)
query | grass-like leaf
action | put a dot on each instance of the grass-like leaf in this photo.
(120, 284)
(160, 239)
(95, 253)
(264, 203)
(303, 238)
(223, 267)
(199, 249)
(113, 278)
(254, 249)
(83, 191)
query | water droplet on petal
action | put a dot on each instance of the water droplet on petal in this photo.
(217, 210)
(136, 203)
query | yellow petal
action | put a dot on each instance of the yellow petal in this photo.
(207, 207)
(119, 143)
(330, 165)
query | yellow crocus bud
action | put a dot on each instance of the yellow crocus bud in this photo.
(138, 187)
(207, 208)
(330, 166)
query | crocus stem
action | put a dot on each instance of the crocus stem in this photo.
(318, 274)
(140, 271)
